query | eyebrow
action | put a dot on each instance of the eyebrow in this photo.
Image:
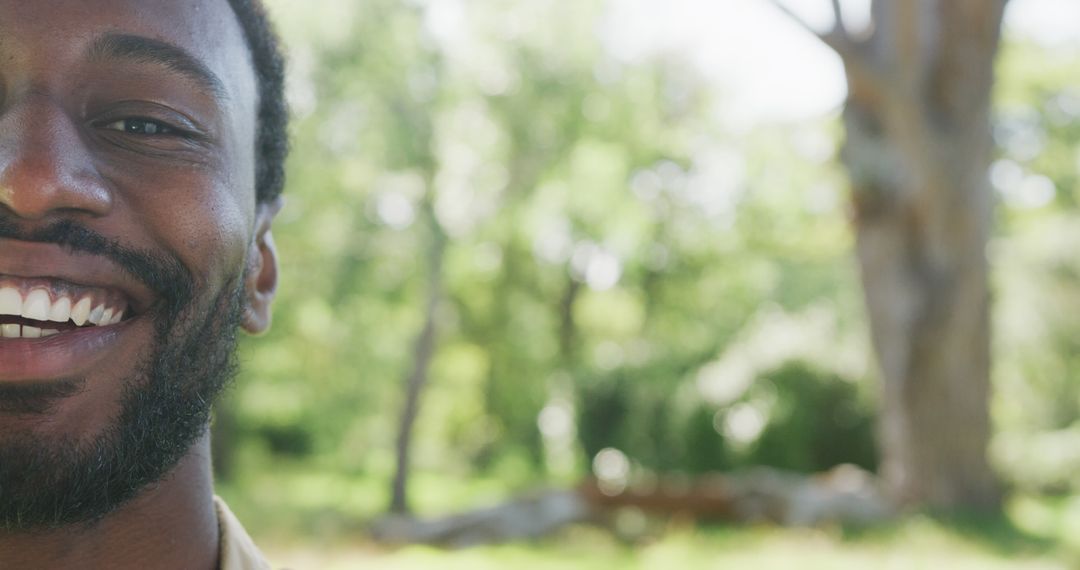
(141, 49)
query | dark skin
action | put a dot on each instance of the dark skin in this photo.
(157, 154)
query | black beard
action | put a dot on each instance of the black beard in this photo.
(164, 409)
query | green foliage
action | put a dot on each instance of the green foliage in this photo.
(810, 420)
(707, 450)
(605, 244)
(1037, 373)
(816, 421)
(621, 271)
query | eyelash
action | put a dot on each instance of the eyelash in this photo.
(131, 125)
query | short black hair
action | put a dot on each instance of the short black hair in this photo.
(272, 128)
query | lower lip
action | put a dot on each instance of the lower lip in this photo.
(59, 356)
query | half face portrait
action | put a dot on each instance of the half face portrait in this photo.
(141, 150)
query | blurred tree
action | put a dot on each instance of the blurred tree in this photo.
(423, 352)
(411, 119)
(918, 150)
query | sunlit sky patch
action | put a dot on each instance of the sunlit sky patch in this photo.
(768, 68)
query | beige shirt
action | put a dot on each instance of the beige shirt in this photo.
(238, 552)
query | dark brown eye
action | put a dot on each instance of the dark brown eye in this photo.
(140, 127)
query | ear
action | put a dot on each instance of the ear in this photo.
(261, 278)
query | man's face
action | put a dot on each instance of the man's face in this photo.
(127, 221)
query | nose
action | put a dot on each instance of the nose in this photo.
(46, 169)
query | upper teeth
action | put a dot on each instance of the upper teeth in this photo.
(39, 305)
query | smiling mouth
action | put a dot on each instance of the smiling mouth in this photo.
(41, 308)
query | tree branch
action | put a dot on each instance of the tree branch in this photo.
(835, 39)
(839, 26)
(860, 69)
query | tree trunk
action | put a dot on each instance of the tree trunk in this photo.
(918, 150)
(423, 352)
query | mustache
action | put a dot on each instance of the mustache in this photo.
(163, 273)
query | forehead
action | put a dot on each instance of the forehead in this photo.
(50, 37)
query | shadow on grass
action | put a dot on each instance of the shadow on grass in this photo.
(995, 534)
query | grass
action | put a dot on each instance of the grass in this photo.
(914, 544)
(310, 520)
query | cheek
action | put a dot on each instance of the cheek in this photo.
(203, 219)
(200, 212)
(210, 236)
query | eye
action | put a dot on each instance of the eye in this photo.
(146, 127)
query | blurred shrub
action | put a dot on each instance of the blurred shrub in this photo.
(286, 440)
(603, 413)
(706, 447)
(811, 420)
(816, 421)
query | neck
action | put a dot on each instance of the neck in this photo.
(171, 524)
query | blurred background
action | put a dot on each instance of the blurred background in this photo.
(539, 244)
